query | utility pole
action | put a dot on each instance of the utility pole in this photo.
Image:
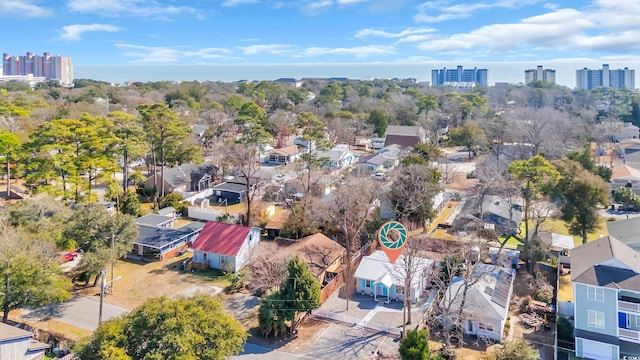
(102, 286)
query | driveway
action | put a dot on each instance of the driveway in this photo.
(81, 312)
(259, 352)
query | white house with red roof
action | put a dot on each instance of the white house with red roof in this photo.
(224, 246)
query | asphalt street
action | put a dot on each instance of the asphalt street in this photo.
(81, 312)
(258, 352)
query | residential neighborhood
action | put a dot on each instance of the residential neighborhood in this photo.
(267, 219)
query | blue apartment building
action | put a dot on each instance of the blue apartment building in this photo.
(605, 275)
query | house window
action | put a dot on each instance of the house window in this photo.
(596, 319)
(399, 290)
(368, 283)
(637, 320)
(595, 293)
(223, 259)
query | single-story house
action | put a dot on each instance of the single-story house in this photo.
(19, 344)
(157, 220)
(324, 256)
(497, 214)
(486, 305)
(338, 157)
(404, 135)
(162, 242)
(184, 178)
(285, 155)
(377, 276)
(224, 246)
(377, 162)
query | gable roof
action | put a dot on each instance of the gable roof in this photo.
(624, 172)
(221, 238)
(404, 130)
(317, 250)
(180, 175)
(488, 297)
(606, 262)
(378, 268)
(8, 332)
(287, 150)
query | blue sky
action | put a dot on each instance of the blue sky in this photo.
(323, 31)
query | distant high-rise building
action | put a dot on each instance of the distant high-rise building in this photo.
(540, 74)
(459, 75)
(605, 77)
(58, 68)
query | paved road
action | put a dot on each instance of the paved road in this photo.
(80, 311)
(258, 352)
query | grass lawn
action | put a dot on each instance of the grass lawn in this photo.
(565, 290)
(558, 226)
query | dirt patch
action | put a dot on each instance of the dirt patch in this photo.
(137, 282)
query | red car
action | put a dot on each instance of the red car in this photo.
(69, 256)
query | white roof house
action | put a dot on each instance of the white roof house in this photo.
(377, 276)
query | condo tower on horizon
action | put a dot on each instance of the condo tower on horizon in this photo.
(446, 76)
(605, 77)
(58, 68)
(539, 74)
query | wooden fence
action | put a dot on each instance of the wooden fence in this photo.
(331, 287)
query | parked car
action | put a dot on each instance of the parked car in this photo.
(68, 256)
(379, 176)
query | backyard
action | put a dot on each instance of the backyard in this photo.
(138, 281)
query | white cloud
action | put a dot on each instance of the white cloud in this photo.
(361, 34)
(273, 49)
(314, 7)
(139, 8)
(74, 32)
(159, 54)
(234, 3)
(557, 29)
(358, 51)
(23, 9)
(439, 11)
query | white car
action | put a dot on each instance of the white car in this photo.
(379, 176)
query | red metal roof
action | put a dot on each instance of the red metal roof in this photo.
(221, 238)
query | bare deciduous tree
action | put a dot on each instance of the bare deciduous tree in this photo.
(268, 269)
(351, 206)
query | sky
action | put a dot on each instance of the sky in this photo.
(575, 33)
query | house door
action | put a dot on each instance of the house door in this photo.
(140, 250)
(470, 326)
(385, 291)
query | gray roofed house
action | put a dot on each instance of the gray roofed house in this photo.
(338, 157)
(404, 135)
(156, 220)
(486, 305)
(19, 344)
(162, 242)
(605, 275)
(184, 178)
(606, 262)
(497, 213)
